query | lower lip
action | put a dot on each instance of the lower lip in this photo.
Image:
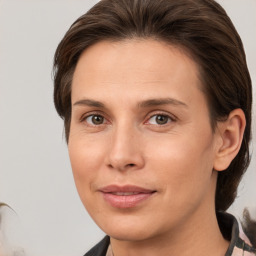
(128, 201)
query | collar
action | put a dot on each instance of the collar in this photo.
(239, 245)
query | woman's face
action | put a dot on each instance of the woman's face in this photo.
(141, 146)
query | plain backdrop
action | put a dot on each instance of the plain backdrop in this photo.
(35, 174)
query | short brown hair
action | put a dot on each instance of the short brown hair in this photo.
(202, 28)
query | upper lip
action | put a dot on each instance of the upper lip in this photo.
(125, 188)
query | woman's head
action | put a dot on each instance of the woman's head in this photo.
(200, 29)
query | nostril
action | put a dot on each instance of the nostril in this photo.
(124, 167)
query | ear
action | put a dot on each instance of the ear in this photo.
(230, 133)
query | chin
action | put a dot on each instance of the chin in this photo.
(131, 235)
(128, 228)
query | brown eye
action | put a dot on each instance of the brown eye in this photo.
(95, 119)
(159, 119)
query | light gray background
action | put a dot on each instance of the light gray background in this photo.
(35, 173)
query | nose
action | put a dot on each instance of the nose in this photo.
(125, 152)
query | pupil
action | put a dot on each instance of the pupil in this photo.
(161, 119)
(97, 119)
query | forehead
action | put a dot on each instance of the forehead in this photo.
(137, 65)
(154, 56)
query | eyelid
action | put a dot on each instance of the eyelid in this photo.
(171, 116)
(92, 113)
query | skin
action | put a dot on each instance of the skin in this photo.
(116, 83)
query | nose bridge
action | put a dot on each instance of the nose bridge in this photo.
(125, 151)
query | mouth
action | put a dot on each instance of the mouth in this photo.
(125, 196)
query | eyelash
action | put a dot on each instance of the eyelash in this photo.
(84, 117)
(170, 119)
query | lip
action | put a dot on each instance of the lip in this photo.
(127, 196)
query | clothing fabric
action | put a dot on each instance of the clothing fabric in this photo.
(231, 231)
(100, 249)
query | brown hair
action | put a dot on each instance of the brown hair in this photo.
(202, 28)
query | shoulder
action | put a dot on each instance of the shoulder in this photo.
(99, 249)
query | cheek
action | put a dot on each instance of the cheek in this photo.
(183, 164)
(86, 158)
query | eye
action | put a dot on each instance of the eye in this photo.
(95, 119)
(159, 119)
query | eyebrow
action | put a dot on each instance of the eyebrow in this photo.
(161, 101)
(142, 104)
(88, 102)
